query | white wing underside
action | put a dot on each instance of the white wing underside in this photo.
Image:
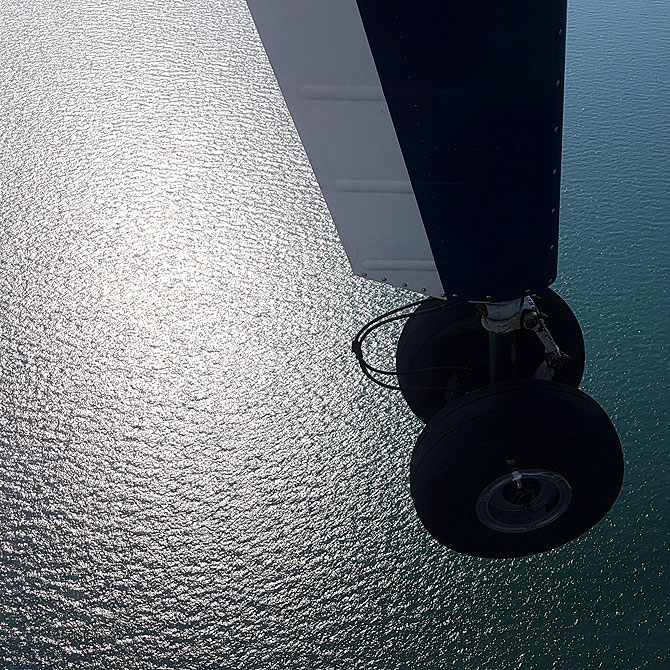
(321, 58)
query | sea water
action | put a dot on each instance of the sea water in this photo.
(193, 472)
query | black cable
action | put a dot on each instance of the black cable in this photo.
(382, 320)
(394, 311)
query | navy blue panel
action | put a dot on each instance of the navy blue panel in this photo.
(475, 90)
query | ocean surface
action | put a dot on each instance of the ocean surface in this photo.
(193, 471)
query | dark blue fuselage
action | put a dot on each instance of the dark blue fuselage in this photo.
(475, 91)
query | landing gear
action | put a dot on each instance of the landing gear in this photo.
(515, 469)
(439, 335)
(514, 459)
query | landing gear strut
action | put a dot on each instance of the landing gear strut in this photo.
(441, 336)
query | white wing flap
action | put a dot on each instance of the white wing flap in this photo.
(325, 69)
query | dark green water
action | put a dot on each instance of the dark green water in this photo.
(193, 473)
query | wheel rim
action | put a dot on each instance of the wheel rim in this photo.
(523, 500)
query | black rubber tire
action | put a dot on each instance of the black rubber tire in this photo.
(443, 334)
(534, 424)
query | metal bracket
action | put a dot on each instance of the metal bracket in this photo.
(502, 317)
(523, 314)
(531, 319)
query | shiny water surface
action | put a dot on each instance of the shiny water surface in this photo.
(193, 473)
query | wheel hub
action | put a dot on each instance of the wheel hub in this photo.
(522, 492)
(523, 500)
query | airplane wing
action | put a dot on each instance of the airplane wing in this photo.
(434, 131)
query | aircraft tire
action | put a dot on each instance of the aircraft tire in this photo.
(443, 334)
(559, 441)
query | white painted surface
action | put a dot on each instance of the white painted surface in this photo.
(325, 69)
